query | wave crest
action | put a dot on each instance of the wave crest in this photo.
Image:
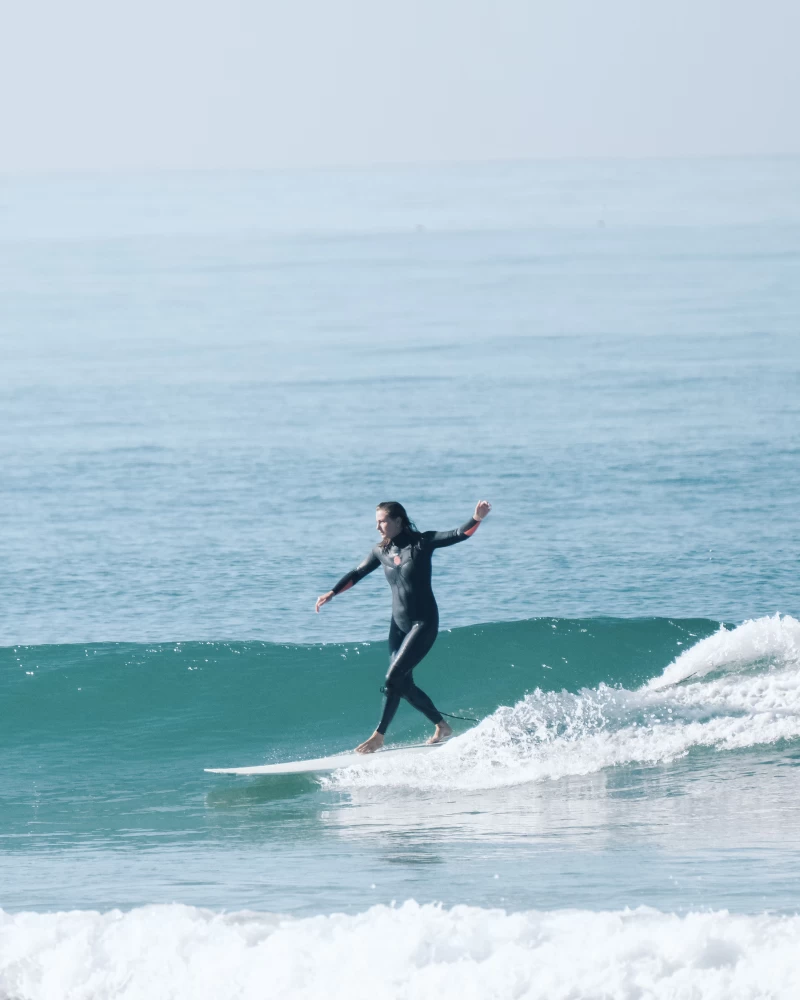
(758, 640)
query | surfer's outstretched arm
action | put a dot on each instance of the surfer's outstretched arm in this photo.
(350, 579)
(440, 539)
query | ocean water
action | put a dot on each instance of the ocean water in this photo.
(208, 382)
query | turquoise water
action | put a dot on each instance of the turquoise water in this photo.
(106, 802)
(208, 383)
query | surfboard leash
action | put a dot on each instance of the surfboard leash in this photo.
(464, 718)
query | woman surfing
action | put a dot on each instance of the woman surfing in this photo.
(405, 554)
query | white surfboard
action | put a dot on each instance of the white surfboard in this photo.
(322, 765)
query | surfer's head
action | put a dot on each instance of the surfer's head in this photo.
(391, 519)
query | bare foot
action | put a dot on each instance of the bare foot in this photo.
(443, 732)
(375, 742)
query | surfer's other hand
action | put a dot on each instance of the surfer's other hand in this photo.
(482, 509)
(323, 599)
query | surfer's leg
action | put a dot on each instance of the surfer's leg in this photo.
(397, 638)
(399, 682)
(375, 742)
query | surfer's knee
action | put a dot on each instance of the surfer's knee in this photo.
(396, 684)
(390, 687)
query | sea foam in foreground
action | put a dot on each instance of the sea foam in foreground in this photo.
(408, 952)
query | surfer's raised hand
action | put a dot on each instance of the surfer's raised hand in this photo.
(323, 599)
(482, 509)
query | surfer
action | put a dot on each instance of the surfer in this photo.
(405, 554)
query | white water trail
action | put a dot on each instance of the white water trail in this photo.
(738, 688)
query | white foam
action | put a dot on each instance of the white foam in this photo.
(740, 688)
(397, 953)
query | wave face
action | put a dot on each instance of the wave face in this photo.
(158, 701)
(404, 952)
(554, 697)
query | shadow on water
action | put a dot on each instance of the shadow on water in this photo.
(411, 859)
(785, 754)
(246, 791)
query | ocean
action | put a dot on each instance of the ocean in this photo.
(209, 380)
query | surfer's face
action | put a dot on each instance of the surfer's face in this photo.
(389, 527)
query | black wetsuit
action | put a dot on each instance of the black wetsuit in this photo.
(406, 562)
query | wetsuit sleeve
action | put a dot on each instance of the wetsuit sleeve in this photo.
(439, 539)
(350, 579)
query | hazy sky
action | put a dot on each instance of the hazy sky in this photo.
(256, 83)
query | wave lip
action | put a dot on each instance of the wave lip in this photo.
(409, 951)
(757, 640)
(736, 689)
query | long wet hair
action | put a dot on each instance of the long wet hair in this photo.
(395, 510)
